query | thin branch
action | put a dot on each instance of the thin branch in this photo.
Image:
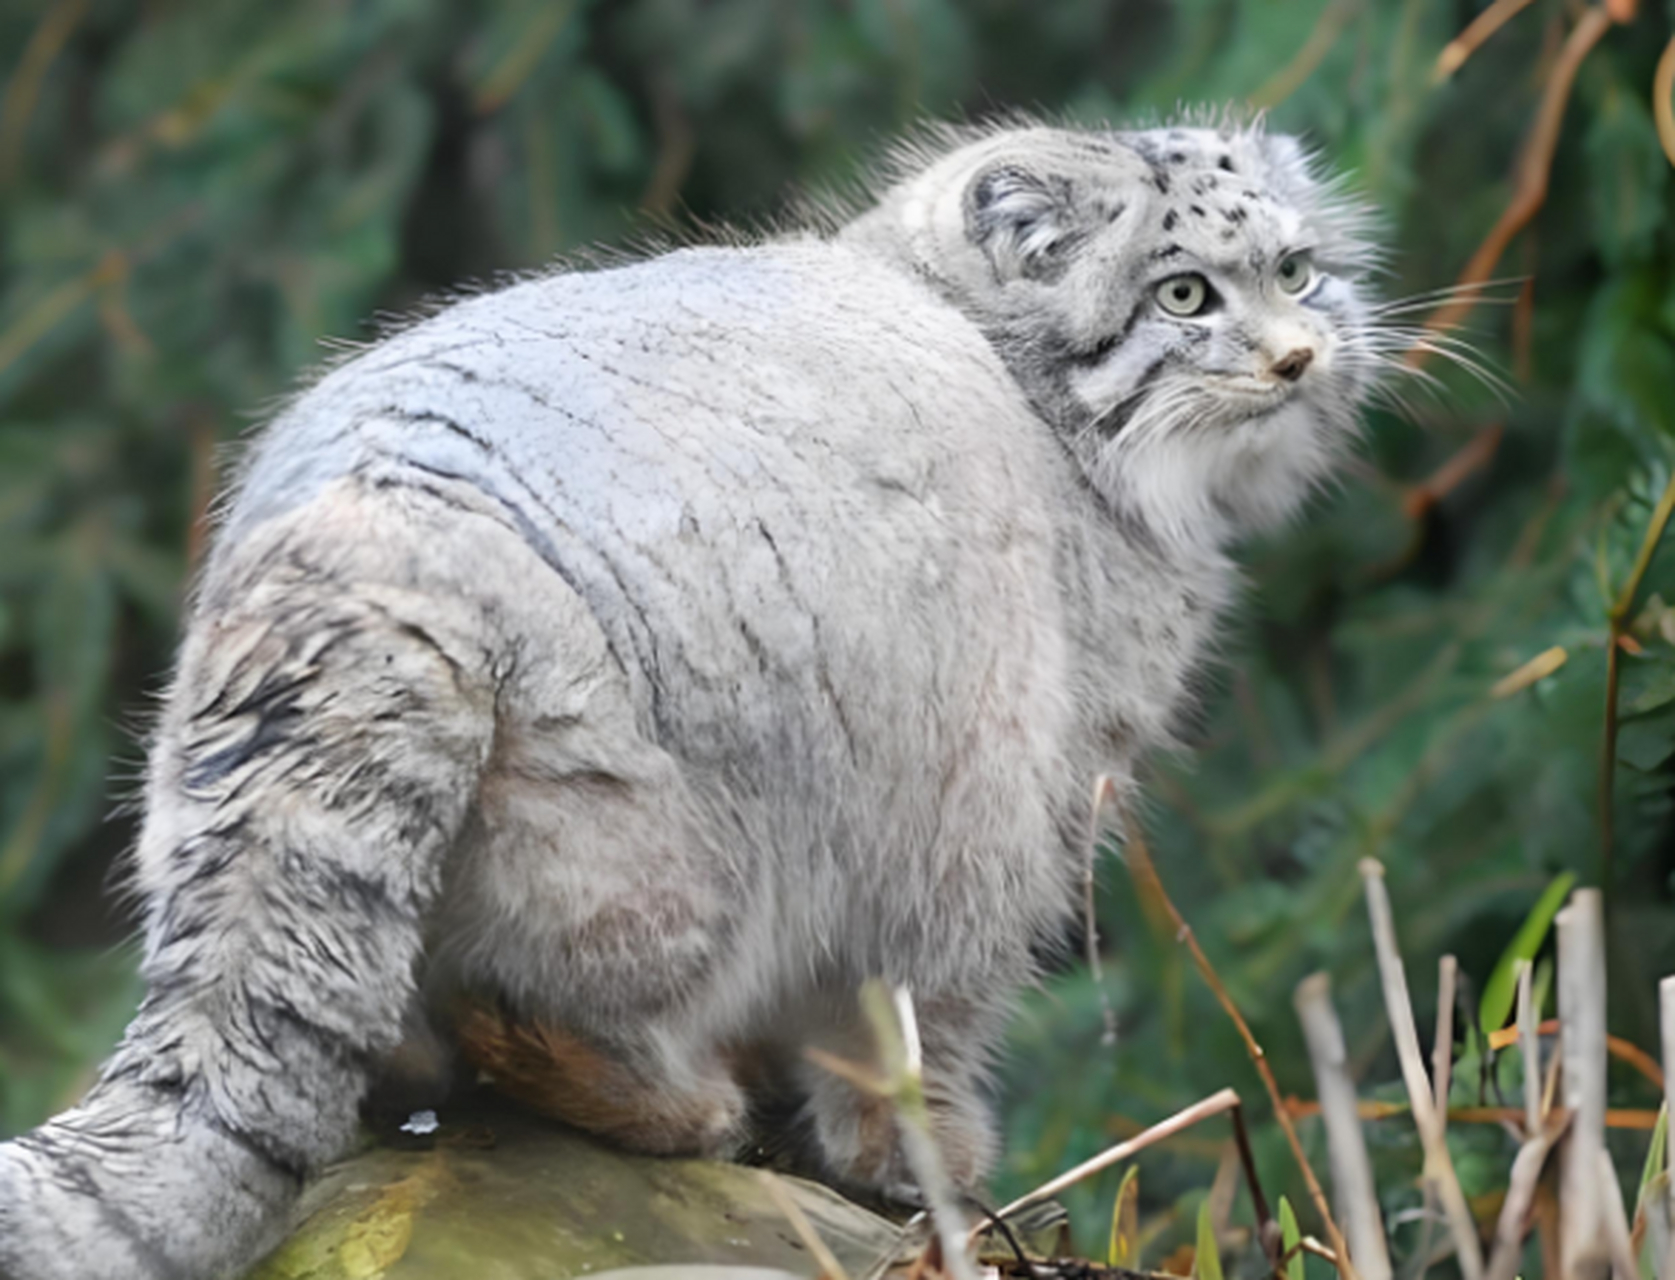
(114, 265)
(896, 1031)
(1352, 1173)
(1469, 41)
(1617, 1233)
(1214, 1105)
(1584, 1230)
(1268, 1228)
(1623, 607)
(1632, 1119)
(830, 1267)
(1474, 455)
(1442, 1048)
(1537, 668)
(1625, 1051)
(677, 145)
(50, 36)
(1530, 1043)
(1623, 1265)
(1146, 879)
(1520, 1196)
(1289, 78)
(1308, 1244)
(509, 74)
(1439, 1165)
(1622, 610)
(1104, 792)
(1663, 99)
(897, 1077)
(1534, 167)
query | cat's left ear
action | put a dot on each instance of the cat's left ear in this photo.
(1023, 220)
(1289, 164)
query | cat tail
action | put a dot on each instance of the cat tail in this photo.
(317, 756)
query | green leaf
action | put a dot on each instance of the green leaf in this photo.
(1124, 1247)
(1291, 1241)
(1656, 1158)
(1652, 1195)
(1206, 1263)
(1499, 991)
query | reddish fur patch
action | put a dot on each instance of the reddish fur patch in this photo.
(571, 1079)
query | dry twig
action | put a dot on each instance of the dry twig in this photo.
(1663, 91)
(1352, 1173)
(1104, 792)
(1439, 1166)
(1151, 888)
(830, 1267)
(1476, 34)
(1622, 612)
(1289, 78)
(1531, 175)
(1537, 668)
(1625, 1051)
(1442, 1048)
(23, 89)
(1214, 1105)
(898, 1078)
(1474, 455)
(1538, 1141)
(509, 74)
(1584, 1230)
(1530, 1043)
(1520, 1196)
(1632, 1119)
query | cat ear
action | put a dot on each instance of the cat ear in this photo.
(1023, 221)
(1289, 164)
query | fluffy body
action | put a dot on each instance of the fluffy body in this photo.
(657, 652)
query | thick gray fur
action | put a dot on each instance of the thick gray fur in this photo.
(661, 650)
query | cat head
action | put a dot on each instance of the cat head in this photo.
(1183, 305)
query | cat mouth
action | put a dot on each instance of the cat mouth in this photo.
(1252, 399)
(1255, 388)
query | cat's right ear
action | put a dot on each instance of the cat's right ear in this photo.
(1023, 221)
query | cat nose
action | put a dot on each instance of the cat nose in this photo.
(1293, 362)
(1291, 365)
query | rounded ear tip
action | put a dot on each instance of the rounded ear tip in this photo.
(1285, 152)
(1004, 182)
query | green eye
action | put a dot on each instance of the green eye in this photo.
(1187, 295)
(1295, 273)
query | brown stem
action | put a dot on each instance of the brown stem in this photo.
(1218, 1102)
(1469, 41)
(1146, 879)
(1289, 78)
(1663, 91)
(1270, 1239)
(1535, 164)
(1622, 611)
(52, 33)
(1476, 454)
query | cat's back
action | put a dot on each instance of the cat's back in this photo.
(780, 478)
(746, 370)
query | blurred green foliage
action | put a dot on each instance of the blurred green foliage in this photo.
(195, 193)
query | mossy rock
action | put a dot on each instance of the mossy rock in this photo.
(500, 1195)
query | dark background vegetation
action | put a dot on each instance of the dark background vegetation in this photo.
(195, 193)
